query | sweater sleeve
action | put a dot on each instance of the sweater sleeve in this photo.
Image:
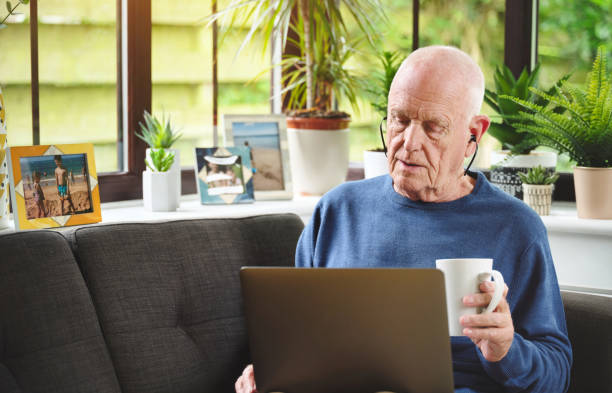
(540, 356)
(305, 251)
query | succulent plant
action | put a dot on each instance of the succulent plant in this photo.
(538, 176)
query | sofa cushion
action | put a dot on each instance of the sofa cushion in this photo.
(589, 324)
(50, 337)
(168, 295)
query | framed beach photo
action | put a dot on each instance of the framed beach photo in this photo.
(224, 175)
(54, 186)
(266, 136)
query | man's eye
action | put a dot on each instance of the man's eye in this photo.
(434, 128)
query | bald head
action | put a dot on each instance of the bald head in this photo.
(445, 70)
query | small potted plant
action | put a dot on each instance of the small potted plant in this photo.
(158, 183)
(161, 135)
(538, 186)
(517, 144)
(374, 160)
(583, 131)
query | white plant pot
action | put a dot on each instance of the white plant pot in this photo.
(175, 169)
(505, 169)
(538, 197)
(319, 159)
(159, 191)
(375, 163)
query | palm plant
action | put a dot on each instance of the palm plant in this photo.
(379, 85)
(584, 129)
(517, 140)
(319, 68)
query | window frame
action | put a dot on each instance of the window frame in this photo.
(134, 88)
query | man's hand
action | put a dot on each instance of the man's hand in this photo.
(246, 382)
(493, 332)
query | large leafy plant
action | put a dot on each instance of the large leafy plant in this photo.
(157, 134)
(584, 129)
(321, 30)
(516, 139)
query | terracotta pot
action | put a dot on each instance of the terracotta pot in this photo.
(318, 153)
(505, 169)
(593, 192)
(538, 197)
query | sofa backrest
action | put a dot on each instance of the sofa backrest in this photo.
(589, 325)
(168, 295)
(50, 337)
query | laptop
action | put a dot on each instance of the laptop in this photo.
(347, 330)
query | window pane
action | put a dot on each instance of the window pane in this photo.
(569, 34)
(182, 73)
(78, 75)
(475, 26)
(15, 77)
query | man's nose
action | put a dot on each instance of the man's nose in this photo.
(412, 137)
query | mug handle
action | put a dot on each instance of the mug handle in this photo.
(499, 290)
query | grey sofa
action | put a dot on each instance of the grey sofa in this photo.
(156, 307)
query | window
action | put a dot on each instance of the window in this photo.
(182, 63)
(77, 46)
(163, 42)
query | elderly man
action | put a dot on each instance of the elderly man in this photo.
(430, 208)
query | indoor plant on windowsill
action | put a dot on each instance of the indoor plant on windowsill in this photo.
(159, 185)
(538, 186)
(4, 175)
(318, 136)
(375, 160)
(161, 135)
(583, 131)
(517, 154)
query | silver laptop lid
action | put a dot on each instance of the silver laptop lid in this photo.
(348, 330)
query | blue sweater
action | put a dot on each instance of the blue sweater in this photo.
(367, 224)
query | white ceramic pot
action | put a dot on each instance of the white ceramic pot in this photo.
(159, 191)
(505, 168)
(175, 169)
(318, 158)
(538, 197)
(375, 163)
(593, 188)
(4, 174)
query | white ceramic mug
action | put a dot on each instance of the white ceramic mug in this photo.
(462, 276)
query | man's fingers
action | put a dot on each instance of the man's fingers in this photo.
(489, 287)
(485, 320)
(477, 300)
(492, 334)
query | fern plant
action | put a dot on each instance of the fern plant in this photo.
(512, 138)
(157, 134)
(539, 176)
(584, 129)
(161, 160)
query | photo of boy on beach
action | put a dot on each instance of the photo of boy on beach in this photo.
(51, 190)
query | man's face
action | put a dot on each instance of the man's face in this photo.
(428, 134)
(58, 163)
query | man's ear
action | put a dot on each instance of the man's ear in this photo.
(478, 126)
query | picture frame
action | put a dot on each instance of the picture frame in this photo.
(224, 175)
(266, 135)
(54, 186)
